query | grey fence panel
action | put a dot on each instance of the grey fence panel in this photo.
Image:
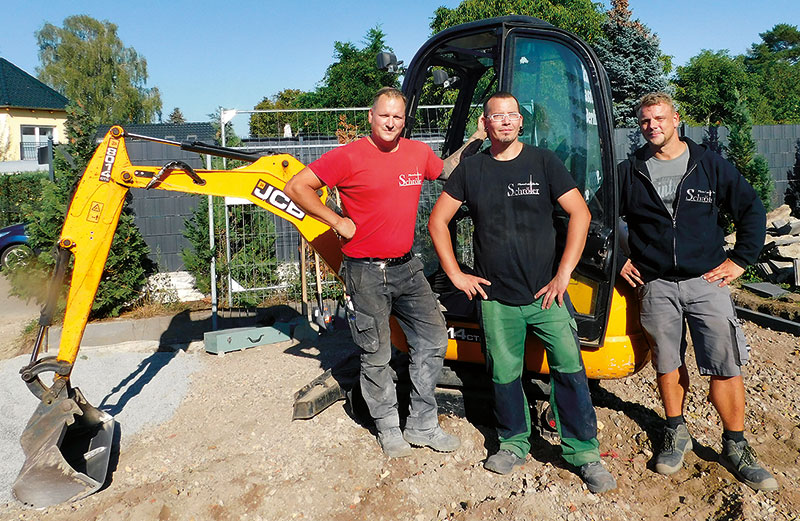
(160, 214)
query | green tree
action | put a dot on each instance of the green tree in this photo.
(775, 66)
(271, 124)
(353, 79)
(782, 43)
(710, 87)
(87, 62)
(231, 140)
(741, 151)
(632, 57)
(582, 17)
(197, 259)
(176, 116)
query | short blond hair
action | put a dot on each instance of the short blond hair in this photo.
(655, 98)
(389, 92)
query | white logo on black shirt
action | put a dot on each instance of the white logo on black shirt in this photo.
(414, 179)
(699, 196)
(518, 189)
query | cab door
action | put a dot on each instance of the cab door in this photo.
(565, 100)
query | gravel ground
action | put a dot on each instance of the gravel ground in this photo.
(230, 450)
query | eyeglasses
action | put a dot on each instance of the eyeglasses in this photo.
(512, 116)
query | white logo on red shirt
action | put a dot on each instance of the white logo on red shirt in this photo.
(518, 189)
(414, 179)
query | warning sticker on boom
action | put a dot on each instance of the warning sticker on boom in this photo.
(94, 212)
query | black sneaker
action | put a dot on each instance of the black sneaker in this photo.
(503, 462)
(741, 460)
(597, 478)
(677, 442)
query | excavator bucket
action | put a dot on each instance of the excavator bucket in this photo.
(67, 445)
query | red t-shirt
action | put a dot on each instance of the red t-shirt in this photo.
(379, 192)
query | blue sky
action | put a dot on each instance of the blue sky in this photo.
(203, 54)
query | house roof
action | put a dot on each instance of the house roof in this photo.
(203, 131)
(18, 89)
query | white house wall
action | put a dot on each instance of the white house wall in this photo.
(11, 121)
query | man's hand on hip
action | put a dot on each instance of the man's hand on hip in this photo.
(470, 284)
(346, 228)
(554, 291)
(631, 274)
(727, 272)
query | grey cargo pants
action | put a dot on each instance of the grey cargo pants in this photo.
(377, 291)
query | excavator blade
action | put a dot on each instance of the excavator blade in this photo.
(67, 445)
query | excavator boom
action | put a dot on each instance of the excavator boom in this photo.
(67, 441)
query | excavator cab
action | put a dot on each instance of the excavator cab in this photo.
(565, 100)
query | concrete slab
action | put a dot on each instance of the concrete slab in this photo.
(765, 289)
(185, 327)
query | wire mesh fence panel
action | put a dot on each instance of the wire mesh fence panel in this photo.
(423, 246)
(264, 249)
(251, 255)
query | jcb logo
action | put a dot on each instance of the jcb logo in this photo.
(108, 161)
(271, 195)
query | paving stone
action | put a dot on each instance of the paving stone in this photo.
(765, 289)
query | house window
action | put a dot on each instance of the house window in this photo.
(33, 137)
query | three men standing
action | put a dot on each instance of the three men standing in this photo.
(511, 191)
(672, 191)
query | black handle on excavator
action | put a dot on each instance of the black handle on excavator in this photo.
(230, 153)
(200, 147)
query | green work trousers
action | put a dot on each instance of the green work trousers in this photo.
(505, 328)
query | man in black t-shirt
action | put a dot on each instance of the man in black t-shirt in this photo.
(511, 191)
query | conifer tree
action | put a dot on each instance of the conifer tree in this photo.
(741, 151)
(631, 55)
(792, 195)
(176, 116)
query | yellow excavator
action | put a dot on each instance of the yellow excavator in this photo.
(565, 99)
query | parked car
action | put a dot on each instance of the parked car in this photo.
(14, 247)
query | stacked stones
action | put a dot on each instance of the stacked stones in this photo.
(780, 258)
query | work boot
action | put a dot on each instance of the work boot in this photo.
(597, 478)
(677, 442)
(740, 459)
(393, 444)
(434, 438)
(503, 462)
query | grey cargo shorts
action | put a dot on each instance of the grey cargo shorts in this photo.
(667, 308)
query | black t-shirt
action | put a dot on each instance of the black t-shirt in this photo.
(511, 204)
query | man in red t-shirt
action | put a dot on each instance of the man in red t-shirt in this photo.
(379, 178)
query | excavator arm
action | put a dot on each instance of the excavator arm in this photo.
(67, 441)
(95, 209)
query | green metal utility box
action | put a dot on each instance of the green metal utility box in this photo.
(235, 339)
